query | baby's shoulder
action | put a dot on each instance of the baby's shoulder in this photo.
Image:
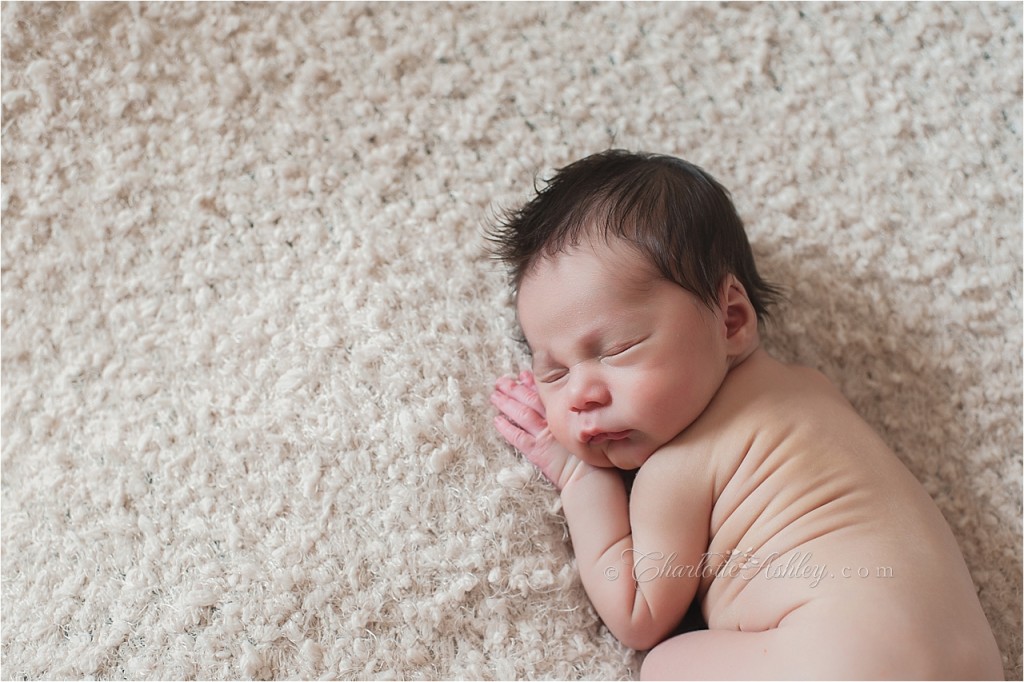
(762, 400)
(764, 383)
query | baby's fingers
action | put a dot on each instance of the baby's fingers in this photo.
(515, 436)
(522, 389)
(515, 411)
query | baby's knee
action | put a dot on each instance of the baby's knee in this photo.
(659, 664)
(690, 656)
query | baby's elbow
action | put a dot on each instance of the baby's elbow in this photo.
(640, 636)
(642, 626)
(640, 641)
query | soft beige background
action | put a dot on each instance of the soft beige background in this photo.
(249, 326)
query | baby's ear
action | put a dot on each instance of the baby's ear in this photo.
(738, 315)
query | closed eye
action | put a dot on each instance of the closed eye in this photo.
(623, 347)
(551, 376)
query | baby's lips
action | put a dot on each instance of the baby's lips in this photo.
(598, 437)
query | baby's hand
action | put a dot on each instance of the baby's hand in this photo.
(522, 423)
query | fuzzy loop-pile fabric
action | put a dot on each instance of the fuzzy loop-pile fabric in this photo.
(250, 322)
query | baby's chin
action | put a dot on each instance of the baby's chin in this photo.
(615, 455)
(630, 463)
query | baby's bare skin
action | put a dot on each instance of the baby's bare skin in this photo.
(865, 578)
(813, 551)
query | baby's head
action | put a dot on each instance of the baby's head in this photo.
(676, 215)
(637, 294)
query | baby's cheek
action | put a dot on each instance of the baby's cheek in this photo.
(651, 396)
(668, 409)
(557, 426)
(559, 429)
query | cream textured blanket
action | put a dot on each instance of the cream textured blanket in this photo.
(250, 325)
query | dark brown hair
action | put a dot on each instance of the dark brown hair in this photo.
(673, 212)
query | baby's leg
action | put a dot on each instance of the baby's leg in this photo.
(713, 654)
(813, 649)
(731, 654)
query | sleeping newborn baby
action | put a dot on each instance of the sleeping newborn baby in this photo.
(759, 491)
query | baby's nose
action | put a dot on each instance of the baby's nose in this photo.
(588, 392)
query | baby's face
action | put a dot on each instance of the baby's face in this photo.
(624, 359)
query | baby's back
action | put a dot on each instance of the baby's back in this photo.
(816, 524)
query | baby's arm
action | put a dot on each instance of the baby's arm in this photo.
(639, 558)
(617, 560)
